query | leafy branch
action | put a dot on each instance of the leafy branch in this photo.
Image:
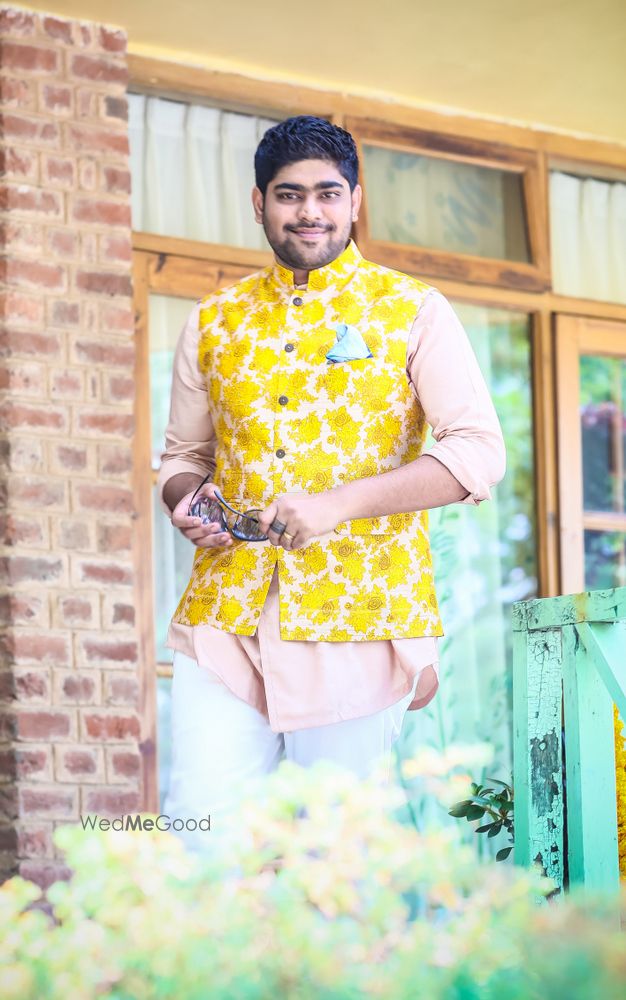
(497, 805)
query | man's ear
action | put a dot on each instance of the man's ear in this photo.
(257, 204)
(357, 195)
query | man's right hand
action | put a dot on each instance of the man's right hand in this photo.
(204, 536)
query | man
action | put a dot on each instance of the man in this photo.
(304, 392)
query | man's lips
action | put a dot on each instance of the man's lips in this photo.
(308, 232)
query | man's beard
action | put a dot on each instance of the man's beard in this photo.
(290, 254)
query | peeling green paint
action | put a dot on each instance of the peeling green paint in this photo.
(569, 666)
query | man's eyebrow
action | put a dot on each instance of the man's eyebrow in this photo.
(320, 186)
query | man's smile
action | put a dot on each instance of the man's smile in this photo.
(309, 233)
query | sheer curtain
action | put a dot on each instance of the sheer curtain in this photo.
(588, 233)
(193, 170)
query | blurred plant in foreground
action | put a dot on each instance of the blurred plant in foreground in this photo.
(319, 892)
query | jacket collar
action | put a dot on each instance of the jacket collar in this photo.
(336, 274)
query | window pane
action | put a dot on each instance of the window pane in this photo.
(605, 559)
(172, 559)
(164, 734)
(602, 381)
(485, 559)
(193, 171)
(588, 237)
(172, 554)
(167, 316)
(445, 205)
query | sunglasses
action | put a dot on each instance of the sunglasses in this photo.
(243, 526)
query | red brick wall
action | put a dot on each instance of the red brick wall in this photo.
(69, 726)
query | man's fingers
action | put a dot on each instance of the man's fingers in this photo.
(201, 534)
(290, 542)
(266, 518)
(215, 540)
(205, 535)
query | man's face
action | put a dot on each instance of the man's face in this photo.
(307, 213)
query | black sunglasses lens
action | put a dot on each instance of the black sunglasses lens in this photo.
(209, 511)
(247, 527)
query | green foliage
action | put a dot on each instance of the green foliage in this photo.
(318, 892)
(497, 805)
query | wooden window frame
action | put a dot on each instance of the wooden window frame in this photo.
(531, 276)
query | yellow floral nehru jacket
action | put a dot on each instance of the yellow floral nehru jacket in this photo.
(288, 421)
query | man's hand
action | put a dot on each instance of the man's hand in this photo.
(306, 515)
(205, 536)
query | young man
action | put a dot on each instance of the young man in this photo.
(304, 392)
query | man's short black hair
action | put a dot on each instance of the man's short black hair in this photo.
(305, 137)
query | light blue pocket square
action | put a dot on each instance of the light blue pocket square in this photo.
(349, 345)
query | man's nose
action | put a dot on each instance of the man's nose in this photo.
(309, 208)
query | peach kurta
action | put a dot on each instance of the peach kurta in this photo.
(297, 684)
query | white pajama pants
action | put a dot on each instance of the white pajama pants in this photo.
(222, 747)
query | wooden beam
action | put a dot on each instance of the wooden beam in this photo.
(570, 467)
(545, 451)
(537, 753)
(605, 645)
(142, 541)
(219, 253)
(455, 266)
(553, 612)
(281, 98)
(228, 90)
(169, 275)
(593, 859)
(493, 297)
(604, 520)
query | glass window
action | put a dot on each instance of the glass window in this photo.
(588, 236)
(164, 731)
(444, 204)
(602, 417)
(192, 171)
(485, 559)
(172, 555)
(602, 389)
(605, 559)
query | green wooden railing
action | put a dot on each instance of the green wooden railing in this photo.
(569, 666)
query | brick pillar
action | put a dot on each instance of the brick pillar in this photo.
(69, 724)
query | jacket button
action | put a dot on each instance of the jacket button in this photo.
(289, 347)
(297, 301)
(283, 400)
(280, 453)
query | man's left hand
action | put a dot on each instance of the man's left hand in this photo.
(305, 515)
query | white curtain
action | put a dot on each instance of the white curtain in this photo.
(588, 234)
(193, 170)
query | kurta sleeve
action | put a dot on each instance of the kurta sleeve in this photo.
(189, 436)
(444, 375)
